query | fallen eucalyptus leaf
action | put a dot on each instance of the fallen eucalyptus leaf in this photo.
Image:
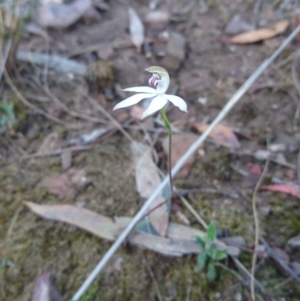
(260, 34)
(147, 180)
(221, 134)
(44, 289)
(61, 15)
(136, 28)
(180, 241)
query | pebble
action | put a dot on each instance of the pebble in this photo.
(175, 52)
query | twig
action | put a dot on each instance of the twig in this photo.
(154, 281)
(193, 148)
(296, 83)
(189, 290)
(244, 271)
(208, 191)
(57, 152)
(27, 103)
(9, 232)
(193, 211)
(70, 112)
(5, 57)
(256, 224)
(273, 255)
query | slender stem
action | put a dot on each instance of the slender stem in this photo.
(168, 126)
(257, 230)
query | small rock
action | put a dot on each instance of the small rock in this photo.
(238, 297)
(296, 267)
(237, 241)
(265, 210)
(157, 20)
(262, 154)
(295, 241)
(66, 159)
(175, 51)
(105, 51)
(238, 25)
(282, 255)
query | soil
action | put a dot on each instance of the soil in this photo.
(211, 70)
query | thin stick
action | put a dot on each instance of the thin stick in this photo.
(256, 226)
(193, 148)
(26, 102)
(154, 281)
(5, 57)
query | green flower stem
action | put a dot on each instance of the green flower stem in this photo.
(168, 126)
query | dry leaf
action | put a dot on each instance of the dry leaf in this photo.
(180, 144)
(221, 135)
(181, 239)
(44, 289)
(260, 34)
(49, 144)
(60, 186)
(62, 15)
(288, 189)
(136, 28)
(147, 180)
(85, 219)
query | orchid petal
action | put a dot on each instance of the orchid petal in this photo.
(163, 84)
(132, 100)
(141, 90)
(156, 104)
(177, 101)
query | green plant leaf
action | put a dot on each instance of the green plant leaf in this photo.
(211, 271)
(221, 255)
(212, 252)
(201, 261)
(201, 242)
(6, 113)
(211, 231)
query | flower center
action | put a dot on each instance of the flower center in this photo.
(153, 81)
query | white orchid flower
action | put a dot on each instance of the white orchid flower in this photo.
(160, 80)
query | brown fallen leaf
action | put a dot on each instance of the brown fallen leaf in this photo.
(147, 180)
(260, 34)
(221, 134)
(252, 175)
(284, 188)
(61, 15)
(80, 217)
(50, 143)
(44, 289)
(136, 28)
(180, 241)
(180, 144)
(61, 186)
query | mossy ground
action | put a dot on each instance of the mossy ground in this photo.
(35, 245)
